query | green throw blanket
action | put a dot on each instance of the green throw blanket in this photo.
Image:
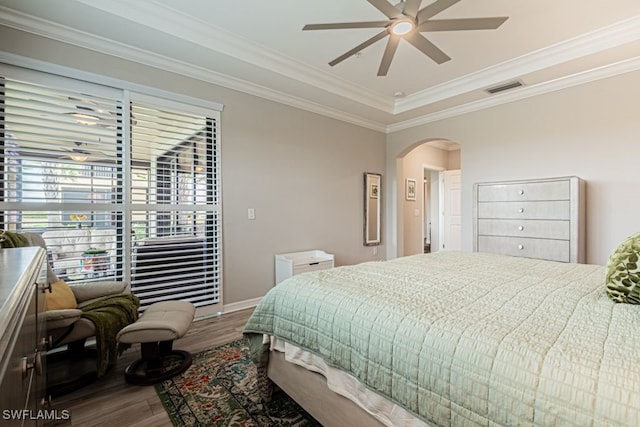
(9, 239)
(109, 315)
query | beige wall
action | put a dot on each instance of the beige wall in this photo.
(591, 131)
(453, 160)
(301, 172)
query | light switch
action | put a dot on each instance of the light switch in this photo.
(416, 212)
(251, 213)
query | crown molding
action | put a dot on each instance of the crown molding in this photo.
(586, 44)
(160, 17)
(614, 35)
(58, 32)
(611, 70)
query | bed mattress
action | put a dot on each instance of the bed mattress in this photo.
(469, 338)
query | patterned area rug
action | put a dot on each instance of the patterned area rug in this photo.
(221, 389)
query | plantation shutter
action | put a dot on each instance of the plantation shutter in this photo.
(121, 186)
(175, 213)
(61, 150)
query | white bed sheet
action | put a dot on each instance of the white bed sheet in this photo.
(384, 410)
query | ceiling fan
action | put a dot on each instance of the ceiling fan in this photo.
(406, 22)
(80, 153)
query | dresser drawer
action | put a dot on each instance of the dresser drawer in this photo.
(560, 209)
(526, 191)
(554, 250)
(542, 229)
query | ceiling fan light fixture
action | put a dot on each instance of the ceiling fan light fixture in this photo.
(78, 158)
(402, 27)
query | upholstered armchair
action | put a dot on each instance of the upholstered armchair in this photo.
(67, 326)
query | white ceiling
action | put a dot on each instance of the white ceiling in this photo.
(258, 47)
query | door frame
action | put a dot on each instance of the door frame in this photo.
(438, 208)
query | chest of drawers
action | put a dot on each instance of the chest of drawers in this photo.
(536, 218)
(22, 332)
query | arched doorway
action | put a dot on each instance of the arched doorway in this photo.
(421, 197)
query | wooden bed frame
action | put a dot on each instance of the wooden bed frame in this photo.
(310, 390)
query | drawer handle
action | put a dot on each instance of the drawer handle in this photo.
(521, 210)
(34, 364)
(521, 192)
(521, 247)
(520, 228)
(28, 365)
(314, 263)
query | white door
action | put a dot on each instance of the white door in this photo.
(452, 210)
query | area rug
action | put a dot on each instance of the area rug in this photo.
(221, 389)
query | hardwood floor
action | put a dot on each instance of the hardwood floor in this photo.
(112, 402)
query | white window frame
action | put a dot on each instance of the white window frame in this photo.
(28, 69)
(158, 102)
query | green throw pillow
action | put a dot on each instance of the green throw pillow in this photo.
(623, 275)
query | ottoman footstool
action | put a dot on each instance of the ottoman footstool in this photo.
(155, 330)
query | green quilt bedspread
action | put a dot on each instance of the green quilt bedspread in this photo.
(468, 338)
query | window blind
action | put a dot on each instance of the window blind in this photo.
(175, 212)
(61, 151)
(122, 186)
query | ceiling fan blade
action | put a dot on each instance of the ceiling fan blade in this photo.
(411, 7)
(387, 8)
(462, 24)
(426, 47)
(344, 25)
(358, 48)
(434, 8)
(389, 51)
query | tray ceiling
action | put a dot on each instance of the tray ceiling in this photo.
(259, 47)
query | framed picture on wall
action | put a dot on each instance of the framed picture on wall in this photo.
(410, 190)
(374, 191)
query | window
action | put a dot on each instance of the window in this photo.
(175, 203)
(117, 183)
(61, 151)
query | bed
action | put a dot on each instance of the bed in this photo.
(453, 338)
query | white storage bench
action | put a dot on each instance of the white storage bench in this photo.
(294, 263)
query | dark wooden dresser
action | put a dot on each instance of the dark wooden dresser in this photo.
(22, 336)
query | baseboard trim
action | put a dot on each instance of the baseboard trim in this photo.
(240, 305)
